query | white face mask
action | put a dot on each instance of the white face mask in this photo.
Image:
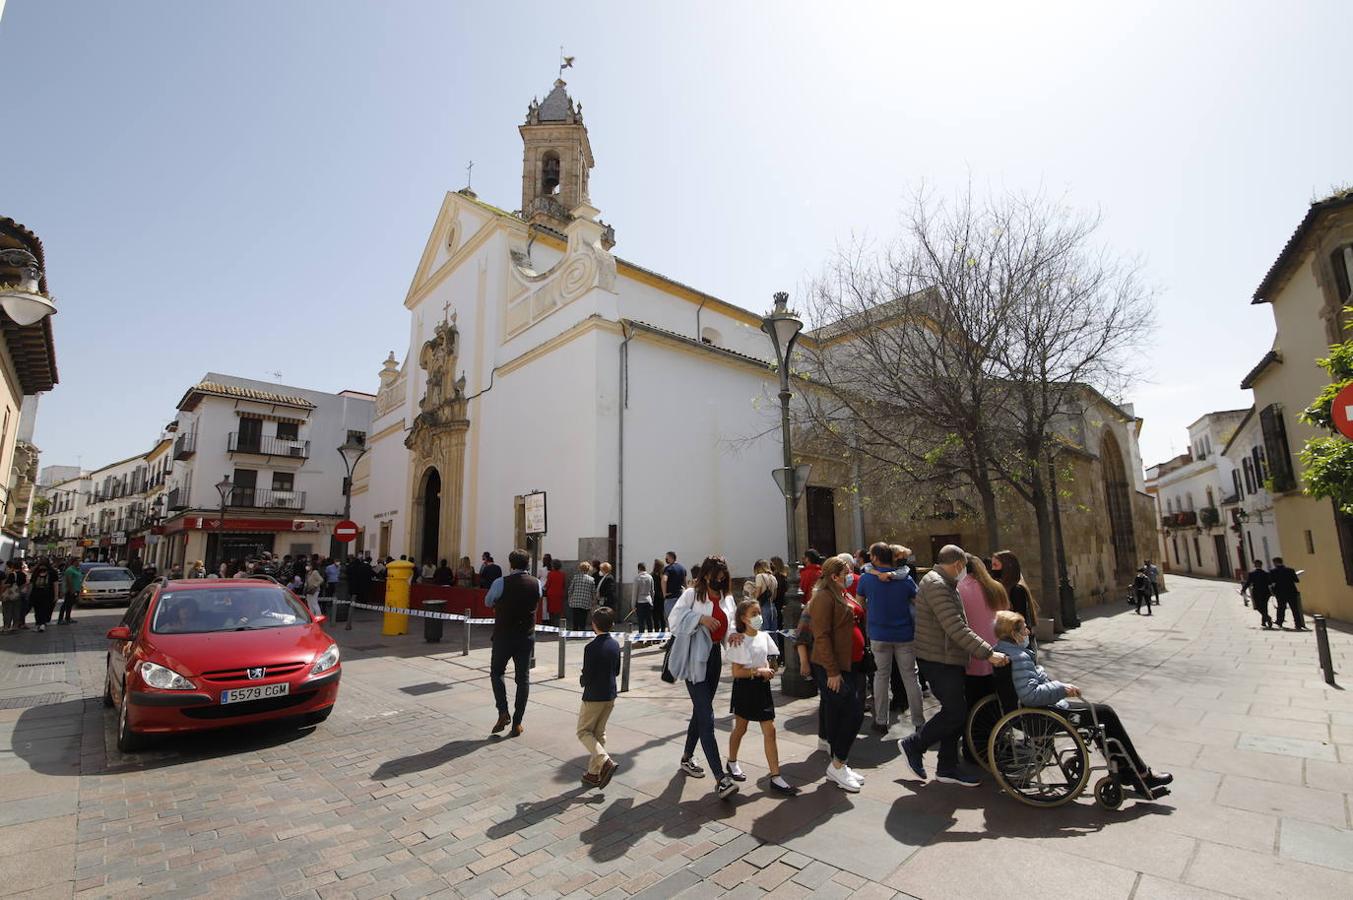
(1024, 642)
(755, 622)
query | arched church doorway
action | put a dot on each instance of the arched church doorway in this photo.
(1118, 505)
(430, 515)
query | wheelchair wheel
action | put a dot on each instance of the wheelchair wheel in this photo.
(1109, 793)
(982, 718)
(1038, 757)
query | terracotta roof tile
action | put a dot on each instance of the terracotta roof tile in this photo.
(216, 389)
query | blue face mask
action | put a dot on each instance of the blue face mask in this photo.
(755, 622)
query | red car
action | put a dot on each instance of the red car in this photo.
(215, 653)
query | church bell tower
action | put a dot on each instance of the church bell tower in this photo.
(556, 161)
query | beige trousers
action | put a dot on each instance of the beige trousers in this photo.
(592, 719)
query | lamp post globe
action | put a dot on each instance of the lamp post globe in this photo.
(352, 452)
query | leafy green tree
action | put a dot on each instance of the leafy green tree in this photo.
(1328, 461)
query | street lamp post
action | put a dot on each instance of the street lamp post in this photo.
(352, 453)
(223, 488)
(783, 327)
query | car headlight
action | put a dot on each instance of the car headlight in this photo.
(326, 660)
(164, 679)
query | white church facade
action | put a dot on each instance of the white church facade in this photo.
(540, 361)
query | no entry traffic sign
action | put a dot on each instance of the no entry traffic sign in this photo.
(345, 531)
(1342, 411)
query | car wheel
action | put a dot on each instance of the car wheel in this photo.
(128, 741)
(107, 685)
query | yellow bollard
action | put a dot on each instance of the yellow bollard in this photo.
(397, 575)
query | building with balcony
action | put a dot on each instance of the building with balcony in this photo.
(1251, 517)
(27, 368)
(255, 467)
(1308, 287)
(1193, 492)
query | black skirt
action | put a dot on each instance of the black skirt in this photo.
(752, 700)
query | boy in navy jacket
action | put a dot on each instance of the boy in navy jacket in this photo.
(601, 665)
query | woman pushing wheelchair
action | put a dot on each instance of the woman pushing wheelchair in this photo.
(1036, 689)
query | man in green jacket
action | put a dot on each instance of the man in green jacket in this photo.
(943, 645)
(71, 582)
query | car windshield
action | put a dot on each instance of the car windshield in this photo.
(243, 608)
(109, 574)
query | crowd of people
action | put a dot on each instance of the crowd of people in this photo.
(873, 638)
(44, 586)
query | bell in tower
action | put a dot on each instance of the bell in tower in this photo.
(556, 161)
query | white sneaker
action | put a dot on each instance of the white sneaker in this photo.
(841, 778)
(853, 774)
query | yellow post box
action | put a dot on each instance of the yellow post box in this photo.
(397, 575)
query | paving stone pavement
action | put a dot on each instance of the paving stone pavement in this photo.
(403, 793)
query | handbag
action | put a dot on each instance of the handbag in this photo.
(667, 675)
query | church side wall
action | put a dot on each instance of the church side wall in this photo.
(700, 443)
(382, 494)
(537, 430)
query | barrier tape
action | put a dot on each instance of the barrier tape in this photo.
(631, 636)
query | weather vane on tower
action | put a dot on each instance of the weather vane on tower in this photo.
(565, 62)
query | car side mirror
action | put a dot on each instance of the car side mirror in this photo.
(320, 619)
(120, 633)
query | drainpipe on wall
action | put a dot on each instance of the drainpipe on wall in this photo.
(699, 335)
(623, 399)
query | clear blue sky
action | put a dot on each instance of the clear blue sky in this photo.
(247, 187)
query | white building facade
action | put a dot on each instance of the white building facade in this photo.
(272, 449)
(1250, 516)
(539, 361)
(1191, 492)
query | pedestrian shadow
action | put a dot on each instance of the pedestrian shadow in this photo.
(624, 823)
(428, 759)
(1003, 816)
(528, 814)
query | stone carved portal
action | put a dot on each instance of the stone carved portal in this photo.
(437, 444)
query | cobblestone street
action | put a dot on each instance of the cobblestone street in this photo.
(403, 792)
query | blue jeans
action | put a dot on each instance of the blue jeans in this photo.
(517, 649)
(842, 710)
(701, 726)
(946, 726)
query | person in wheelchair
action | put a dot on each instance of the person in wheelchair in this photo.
(1036, 688)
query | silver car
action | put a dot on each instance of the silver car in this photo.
(107, 584)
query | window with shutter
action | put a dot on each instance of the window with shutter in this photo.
(1275, 447)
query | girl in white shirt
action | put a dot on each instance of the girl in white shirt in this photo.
(752, 700)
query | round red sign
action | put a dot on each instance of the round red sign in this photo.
(1342, 411)
(345, 531)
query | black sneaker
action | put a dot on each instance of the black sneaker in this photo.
(727, 787)
(915, 759)
(962, 779)
(692, 768)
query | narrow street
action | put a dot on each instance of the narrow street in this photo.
(403, 792)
